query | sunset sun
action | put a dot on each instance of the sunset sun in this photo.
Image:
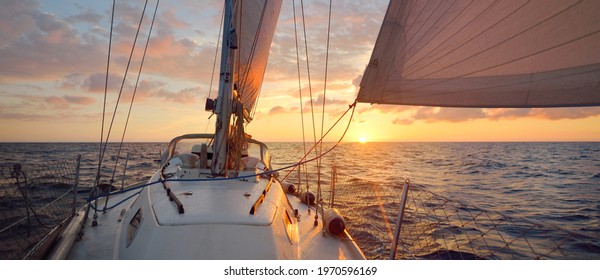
(362, 139)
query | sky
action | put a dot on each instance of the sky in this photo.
(53, 60)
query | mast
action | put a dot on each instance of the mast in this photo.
(224, 100)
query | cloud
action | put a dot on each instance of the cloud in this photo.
(96, 82)
(448, 114)
(65, 102)
(23, 116)
(357, 80)
(71, 81)
(39, 46)
(79, 100)
(507, 113)
(402, 121)
(277, 110)
(157, 90)
(89, 16)
(354, 25)
(565, 113)
(411, 114)
(318, 103)
(282, 110)
(15, 19)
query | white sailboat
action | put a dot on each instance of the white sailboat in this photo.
(211, 201)
(214, 196)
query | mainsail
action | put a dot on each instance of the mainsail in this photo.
(486, 53)
(248, 28)
(255, 23)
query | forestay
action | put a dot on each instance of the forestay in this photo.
(484, 53)
(255, 23)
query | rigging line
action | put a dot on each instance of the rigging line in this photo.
(326, 65)
(299, 86)
(353, 107)
(124, 79)
(320, 149)
(100, 154)
(212, 76)
(132, 98)
(308, 72)
(309, 88)
(216, 54)
(239, 9)
(135, 89)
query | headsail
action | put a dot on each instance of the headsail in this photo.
(484, 53)
(255, 23)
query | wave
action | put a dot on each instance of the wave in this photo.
(563, 177)
(450, 255)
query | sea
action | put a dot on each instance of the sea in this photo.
(551, 183)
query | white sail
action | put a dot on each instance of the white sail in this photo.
(485, 53)
(255, 23)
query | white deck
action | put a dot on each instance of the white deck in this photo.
(217, 224)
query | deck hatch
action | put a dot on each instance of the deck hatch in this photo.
(134, 226)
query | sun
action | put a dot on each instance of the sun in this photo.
(362, 139)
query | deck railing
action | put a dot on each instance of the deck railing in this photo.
(36, 202)
(435, 227)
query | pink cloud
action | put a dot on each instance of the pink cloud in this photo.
(16, 18)
(79, 100)
(23, 116)
(66, 101)
(95, 82)
(157, 90)
(39, 46)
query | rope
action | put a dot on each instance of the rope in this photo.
(103, 150)
(212, 76)
(100, 150)
(353, 107)
(100, 154)
(308, 71)
(300, 92)
(121, 92)
(25, 193)
(319, 195)
(135, 90)
(216, 54)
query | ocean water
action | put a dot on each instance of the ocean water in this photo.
(556, 183)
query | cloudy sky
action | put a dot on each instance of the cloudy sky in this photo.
(53, 58)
